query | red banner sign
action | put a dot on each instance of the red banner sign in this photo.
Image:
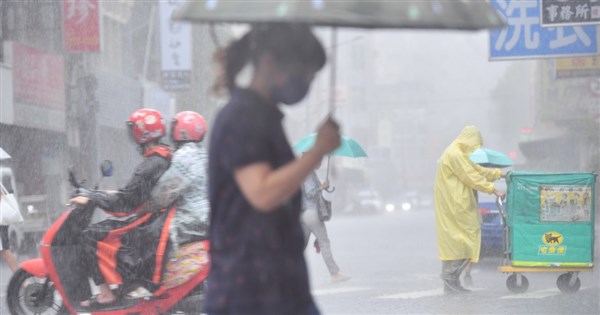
(39, 78)
(39, 89)
(81, 25)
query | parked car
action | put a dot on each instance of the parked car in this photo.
(492, 231)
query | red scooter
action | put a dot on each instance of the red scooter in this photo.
(39, 285)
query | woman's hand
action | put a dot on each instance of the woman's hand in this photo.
(79, 201)
(325, 185)
(328, 137)
(498, 193)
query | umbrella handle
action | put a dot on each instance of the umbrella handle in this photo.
(332, 189)
(214, 36)
(333, 71)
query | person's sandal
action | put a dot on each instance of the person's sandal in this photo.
(95, 305)
(139, 293)
(338, 277)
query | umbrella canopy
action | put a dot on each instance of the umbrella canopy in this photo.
(421, 14)
(348, 147)
(490, 158)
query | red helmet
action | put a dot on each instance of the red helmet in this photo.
(146, 125)
(188, 126)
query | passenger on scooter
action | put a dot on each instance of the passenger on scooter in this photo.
(185, 185)
(186, 181)
(130, 227)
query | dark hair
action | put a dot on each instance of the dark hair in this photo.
(287, 44)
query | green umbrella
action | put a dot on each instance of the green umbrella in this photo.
(490, 158)
(348, 147)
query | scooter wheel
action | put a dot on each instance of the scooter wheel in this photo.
(563, 283)
(26, 295)
(511, 284)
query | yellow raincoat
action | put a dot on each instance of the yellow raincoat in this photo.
(457, 217)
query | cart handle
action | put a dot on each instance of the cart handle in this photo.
(501, 203)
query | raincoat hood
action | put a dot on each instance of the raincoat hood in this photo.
(469, 139)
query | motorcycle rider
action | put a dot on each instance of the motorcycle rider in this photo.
(146, 127)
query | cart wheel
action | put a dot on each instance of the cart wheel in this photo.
(511, 284)
(563, 283)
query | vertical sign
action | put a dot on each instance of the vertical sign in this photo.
(524, 37)
(570, 12)
(175, 49)
(81, 25)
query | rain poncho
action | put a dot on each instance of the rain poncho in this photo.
(457, 217)
(129, 246)
(185, 182)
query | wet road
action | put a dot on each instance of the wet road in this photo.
(392, 259)
(393, 263)
(4, 278)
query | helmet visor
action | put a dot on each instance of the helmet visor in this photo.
(130, 132)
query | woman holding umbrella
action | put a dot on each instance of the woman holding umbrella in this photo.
(257, 242)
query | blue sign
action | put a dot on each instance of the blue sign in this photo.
(523, 37)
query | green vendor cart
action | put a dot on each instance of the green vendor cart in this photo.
(548, 227)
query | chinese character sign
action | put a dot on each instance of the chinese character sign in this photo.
(81, 25)
(570, 12)
(176, 49)
(524, 37)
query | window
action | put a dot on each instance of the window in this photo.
(7, 183)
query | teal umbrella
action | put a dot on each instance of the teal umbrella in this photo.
(348, 147)
(490, 158)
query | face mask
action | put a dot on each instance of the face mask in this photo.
(291, 92)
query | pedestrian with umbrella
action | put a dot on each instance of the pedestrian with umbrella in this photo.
(457, 217)
(316, 209)
(253, 177)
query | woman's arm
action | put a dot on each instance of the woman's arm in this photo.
(267, 188)
(312, 189)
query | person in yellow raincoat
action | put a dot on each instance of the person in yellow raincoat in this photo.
(457, 217)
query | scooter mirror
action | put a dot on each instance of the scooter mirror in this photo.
(106, 168)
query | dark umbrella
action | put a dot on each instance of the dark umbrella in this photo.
(415, 14)
(422, 14)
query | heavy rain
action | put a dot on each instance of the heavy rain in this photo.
(74, 71)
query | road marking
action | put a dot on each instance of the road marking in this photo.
(414, 294)
(331, 291)
(534, 294)
(418, 294)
